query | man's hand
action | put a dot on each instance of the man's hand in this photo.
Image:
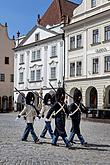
(19, 116)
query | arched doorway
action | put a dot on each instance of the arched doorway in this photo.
(20, 102)
(106, 97)
(91, 97)
(106, 101)
(5, 104)
(10, 103)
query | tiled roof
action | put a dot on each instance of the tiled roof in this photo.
(57, 12)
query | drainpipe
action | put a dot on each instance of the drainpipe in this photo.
(63, 37)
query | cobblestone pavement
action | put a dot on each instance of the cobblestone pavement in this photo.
(15, 152)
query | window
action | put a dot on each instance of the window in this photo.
(107, 64)
(21, 77)
(6, 60)
(72, 69)
(33, 55)
(95, 36)
(33, 75)
(38, 75)
(78, 68)
(38, 54)
(79, 41)
(53, 72)
(53, 51)
(2, 77)
(95, 65)
(21, 58)
(93, 3)
(107, 33)
(37, 37)
(11, 77)
(72, 42)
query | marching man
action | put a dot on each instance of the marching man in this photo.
(60, 111)
(75, 113)
(30, 113)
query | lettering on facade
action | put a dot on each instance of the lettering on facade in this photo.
(101, 50)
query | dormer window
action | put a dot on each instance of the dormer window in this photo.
(93, 3)
(37, 37)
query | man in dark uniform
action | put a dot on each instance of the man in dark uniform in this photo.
(60, 109)
(75, 113)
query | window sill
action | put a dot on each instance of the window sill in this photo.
(36, 60)
(74, 49)
(35, 81)
(53, 56)
(21, 63)
(106, 71)
(53, 79)
(21, 82)
(94, 44)
(105, 41)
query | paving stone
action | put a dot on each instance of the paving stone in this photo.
(15, 152)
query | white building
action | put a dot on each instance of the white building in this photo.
(88, 53)
(38, 61)
(39, 56)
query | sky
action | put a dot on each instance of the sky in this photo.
(22, 14)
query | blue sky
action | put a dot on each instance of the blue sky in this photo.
(22, 14)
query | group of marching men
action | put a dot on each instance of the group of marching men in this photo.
(57, 109)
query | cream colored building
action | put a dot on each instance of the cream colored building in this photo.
(87, 41)
(6, 70)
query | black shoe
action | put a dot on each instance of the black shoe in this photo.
(85, 143)
(69, 145)
(72, 142)
(25, 140)
(54, 144)
(37, 141)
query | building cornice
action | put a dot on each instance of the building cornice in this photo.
(87, 79)
(87, 20)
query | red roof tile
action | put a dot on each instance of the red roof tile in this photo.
(57, 12)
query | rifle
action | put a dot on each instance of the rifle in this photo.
(55, 90)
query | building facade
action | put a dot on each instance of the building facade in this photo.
(6, 70)
(39, 56)
(38, 62)
(87, 50)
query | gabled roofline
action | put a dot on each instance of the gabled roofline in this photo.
(50, 39)
(32, 30)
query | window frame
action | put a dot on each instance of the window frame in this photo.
(106, 64)
(95, 66)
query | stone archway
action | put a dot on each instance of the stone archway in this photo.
(20, 101)
(5, 104)
(106, 97)
(91, 97)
